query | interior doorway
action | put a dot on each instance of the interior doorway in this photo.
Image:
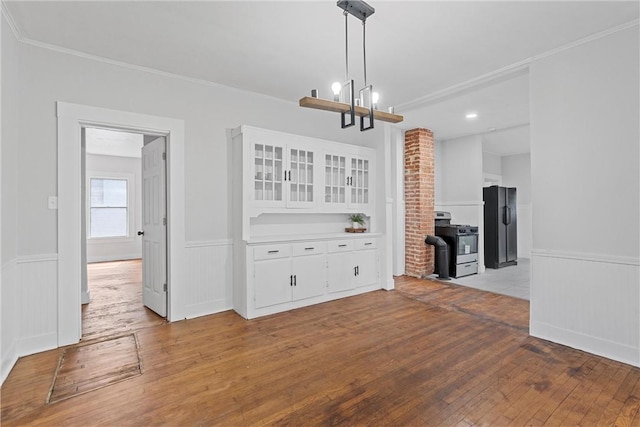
(71, 119)
(124, 231)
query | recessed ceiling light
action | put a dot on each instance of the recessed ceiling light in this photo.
(471, 115)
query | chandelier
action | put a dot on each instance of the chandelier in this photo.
(365, 105)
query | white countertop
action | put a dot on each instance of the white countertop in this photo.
(310, 237)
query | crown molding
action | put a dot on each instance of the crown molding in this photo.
(155, 71)
(505, 73)
(12, 23)
(497, 130)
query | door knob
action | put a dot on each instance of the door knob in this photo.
(140, 233)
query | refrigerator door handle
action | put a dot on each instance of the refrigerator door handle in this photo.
(506, 215)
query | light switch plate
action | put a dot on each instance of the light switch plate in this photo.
(53, 202)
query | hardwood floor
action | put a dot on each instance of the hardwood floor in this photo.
(116, 301)
(428, 353)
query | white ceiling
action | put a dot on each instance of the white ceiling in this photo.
(284, 49)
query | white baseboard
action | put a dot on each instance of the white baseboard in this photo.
(9, 359)
(588, 343)
(390, 285)
(36, 344)
(206, 308)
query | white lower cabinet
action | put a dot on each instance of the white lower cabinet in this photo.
(352, 264)
(292, 275)
(288, 272)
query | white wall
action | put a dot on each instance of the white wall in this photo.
(585, 175)
(459, 179)
(9, 316)
(516, 172)
(491, 163)
(208, 111)
(111, 249)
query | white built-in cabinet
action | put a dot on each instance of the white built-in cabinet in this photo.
(285, 176)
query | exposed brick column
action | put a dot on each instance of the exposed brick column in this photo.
(419, 201)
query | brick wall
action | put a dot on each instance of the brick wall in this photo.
(419, 201)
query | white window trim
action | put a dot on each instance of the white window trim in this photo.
(131, 205)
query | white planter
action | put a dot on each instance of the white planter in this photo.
(355, 225)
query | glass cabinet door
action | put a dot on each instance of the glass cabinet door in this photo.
(301, 175)
(335, 179)
(268, 170)
(359, 181)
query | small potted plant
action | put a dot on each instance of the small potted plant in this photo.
(357, 220)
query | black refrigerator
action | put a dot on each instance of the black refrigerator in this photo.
(500, 227)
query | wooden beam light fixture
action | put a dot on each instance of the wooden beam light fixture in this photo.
(365, 106)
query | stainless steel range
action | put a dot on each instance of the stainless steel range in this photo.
(462, 241)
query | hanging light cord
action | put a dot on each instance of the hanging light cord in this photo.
(346, 46)
(364, 51)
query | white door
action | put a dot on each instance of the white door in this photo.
(154, 229)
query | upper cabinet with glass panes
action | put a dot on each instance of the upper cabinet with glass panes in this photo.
(282, 172)
(347, 180)
(283, 175)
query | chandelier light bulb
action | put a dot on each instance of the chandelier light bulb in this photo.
(336, 87)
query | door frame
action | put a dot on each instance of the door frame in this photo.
(71, 119)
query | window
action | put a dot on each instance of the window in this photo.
(108, 208)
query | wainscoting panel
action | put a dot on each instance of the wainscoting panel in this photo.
(37, 299)
(590, 302)
(9, 312)
(209, 277)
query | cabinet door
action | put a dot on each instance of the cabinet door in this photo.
(268, 174)
(300, 172)
(359, 181)
(341, 272)
(309, 274)
(367, 268)
(335, 180)
(272, 282)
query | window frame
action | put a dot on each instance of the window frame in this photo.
(121, 176)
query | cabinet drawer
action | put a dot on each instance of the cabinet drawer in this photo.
(366, 244)
(340, 246)
(308, 248)
(271, 251)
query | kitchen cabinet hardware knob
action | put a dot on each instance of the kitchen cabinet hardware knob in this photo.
(140, 233)
(295, 280)
(342, 246)
(291, 280)
(368, 243)
(309, 249)
(273, 252)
